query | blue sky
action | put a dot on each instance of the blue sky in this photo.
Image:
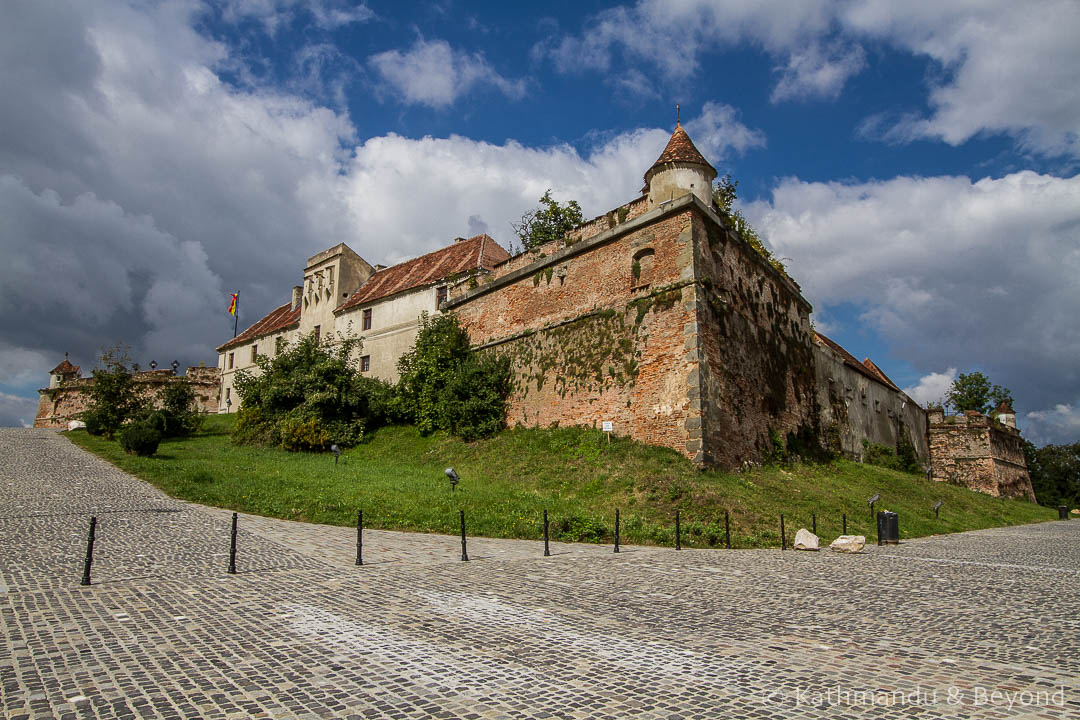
(916, 165)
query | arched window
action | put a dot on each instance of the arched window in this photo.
(641, 270)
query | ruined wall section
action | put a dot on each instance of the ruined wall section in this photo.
(854, 408)
(972, 450)
(58, 406)
(598, 331)
(758, 372)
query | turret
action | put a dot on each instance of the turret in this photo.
(679, 170)
(1005, 414)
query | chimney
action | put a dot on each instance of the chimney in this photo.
(297, 293)
(459, 239)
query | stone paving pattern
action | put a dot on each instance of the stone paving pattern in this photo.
(301, 632)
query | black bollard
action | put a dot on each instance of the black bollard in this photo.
(89, 552)
(845, 525)
(464, 554)
(359, 537)
(616, 529)
(814, 523)
(727, 531)
(678, 535)
(232, 548)
(547, 548)
(783, 536)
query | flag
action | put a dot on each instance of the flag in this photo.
(232, 304)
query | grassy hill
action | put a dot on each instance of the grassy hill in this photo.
(580, 477)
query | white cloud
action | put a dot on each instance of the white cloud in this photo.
(951, 272)
(932, 388)
(1007, 67)
(1059, 425)
(274, 14)
(716, 131)
(1001, 66)
(434, 74)
(818, 72)
(17, 411)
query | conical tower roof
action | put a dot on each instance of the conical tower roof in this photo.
(680, 149)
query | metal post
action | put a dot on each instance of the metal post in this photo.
(678, 535)
(547, 548)
(89, 552)
(871, 512)
(359, 537)
(814, 521)
(727, 531)
(845, 525)
(616, 529)
(783, 536)
(232, 547)
(464, 554)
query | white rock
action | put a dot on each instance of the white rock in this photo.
(849, 543)
(806, 540)
(76, 425)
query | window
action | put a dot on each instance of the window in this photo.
(365, 363)
(366, 322)
(254, 352)
(231, 360)
(440, 296)
(641, 269)
(318, 332)
(228, 393)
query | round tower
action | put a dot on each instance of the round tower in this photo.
(679, 170)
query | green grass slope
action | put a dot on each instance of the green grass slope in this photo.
(577, 474)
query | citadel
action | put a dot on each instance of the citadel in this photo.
(656, 317)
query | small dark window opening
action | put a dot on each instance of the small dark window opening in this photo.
(440, 296)
(366, 323)
(254, 352)
(318, 333)
(365, 363)
(641, 269)
(231, 360)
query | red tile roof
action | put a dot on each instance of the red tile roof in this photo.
(869, 364)
(870, 370)
(476, 252)
(681, 148)
(64, 368)
(278, 319)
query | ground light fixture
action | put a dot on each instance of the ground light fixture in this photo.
(337, 453)
(454, 479)
(871, 501)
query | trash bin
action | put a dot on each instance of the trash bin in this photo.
(1063, 512)
(888, 528)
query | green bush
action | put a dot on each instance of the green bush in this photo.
(884, 456)
(114, 399)
(93, 423)
(139, 439)
(445, 386)
(178, 416)
(310, 396)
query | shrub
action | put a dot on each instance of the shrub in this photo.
(93, 423)
(902, 459)
(114, 398)
(444, 386)
(139, 439)
(311, 396)
(178, 415)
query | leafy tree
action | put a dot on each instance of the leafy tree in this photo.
(444, 386)
(114, 398)
(310, 396)
(973, 391)
(725, 193)
(1055, 473)
(178, 415)
(550, 221)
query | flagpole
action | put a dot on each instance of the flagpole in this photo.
(236, 313)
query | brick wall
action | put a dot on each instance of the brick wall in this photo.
(974, 451)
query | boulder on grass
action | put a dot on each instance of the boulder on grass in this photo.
(76, 425)
(849, 543)
(806, 540)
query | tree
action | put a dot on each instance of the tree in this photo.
(310, 396)
(1055, 473)
(178, 415)
(445, 386)
(551, 221)
(973, 391)
(725, 193)
(114, 399)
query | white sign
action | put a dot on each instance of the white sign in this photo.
(608, 426)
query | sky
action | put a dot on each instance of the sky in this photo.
(914, 164)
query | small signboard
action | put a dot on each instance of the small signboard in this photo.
(608, 426)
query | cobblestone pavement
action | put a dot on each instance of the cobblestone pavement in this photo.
(930, 628)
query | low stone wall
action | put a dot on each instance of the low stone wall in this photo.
(60, 405)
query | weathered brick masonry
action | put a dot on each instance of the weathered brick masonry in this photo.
(980, 453)
(667, 325)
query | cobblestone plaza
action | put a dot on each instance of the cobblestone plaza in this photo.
(980, 624)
